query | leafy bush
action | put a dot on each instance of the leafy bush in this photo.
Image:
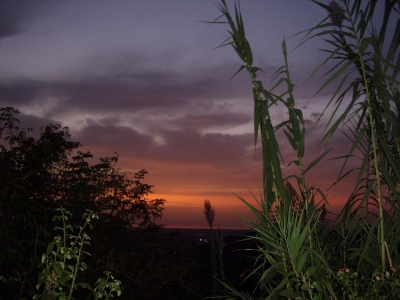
(63, 260)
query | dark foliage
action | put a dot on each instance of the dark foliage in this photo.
(37, 175)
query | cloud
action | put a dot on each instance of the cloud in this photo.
(315, 114)
(215, 119)
(20, 92)
(308, 123)
(185, 146)
(120, 92)
(11, 13)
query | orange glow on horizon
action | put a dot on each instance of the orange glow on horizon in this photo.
(185, 210)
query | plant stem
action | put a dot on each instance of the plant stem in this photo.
(374, 148)
(71, 289)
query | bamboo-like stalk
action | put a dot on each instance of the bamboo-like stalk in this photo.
(371, 100)
(274, 188)
(281, 228)
(362, 70)
(273, 183)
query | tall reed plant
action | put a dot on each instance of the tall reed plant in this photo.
(300, 256)
(216, 249)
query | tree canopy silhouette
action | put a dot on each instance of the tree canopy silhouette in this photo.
(37, 175)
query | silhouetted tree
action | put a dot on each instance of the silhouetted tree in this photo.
(39, 174)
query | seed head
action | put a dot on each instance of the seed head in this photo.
(209, 212)
(336, 13)
(224, 3)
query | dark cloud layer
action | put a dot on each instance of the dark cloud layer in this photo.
(111, 93)
(11, 13)
(185, 146)
(20, 92)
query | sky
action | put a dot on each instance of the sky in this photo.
(145, 79)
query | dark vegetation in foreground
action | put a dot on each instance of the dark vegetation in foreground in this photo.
(40, 175)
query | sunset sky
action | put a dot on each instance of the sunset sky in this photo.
(142, 78)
